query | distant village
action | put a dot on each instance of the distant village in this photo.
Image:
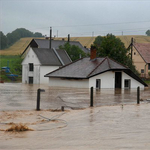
(45, 63)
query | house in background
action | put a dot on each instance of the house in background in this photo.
(39, 61)
(140, 54)
(94, 72)
(44, 43)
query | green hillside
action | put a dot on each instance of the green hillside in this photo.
(20, 45)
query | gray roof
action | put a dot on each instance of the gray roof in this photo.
(52, 57)
(44, 43)
(85, 68)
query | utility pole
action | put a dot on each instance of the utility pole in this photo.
(50, 39)
(131, 48)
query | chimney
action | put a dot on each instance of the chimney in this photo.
(50, 39)
(68, 37)
(93, 52)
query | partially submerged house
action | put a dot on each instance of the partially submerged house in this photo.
(38, 61)
(94, 72)
(140, 54)
(44, 43)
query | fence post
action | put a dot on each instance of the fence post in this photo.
(38, 98)
(91, 97)
(138, 95)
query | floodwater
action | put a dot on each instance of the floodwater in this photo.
(24, 97)
(115, 122)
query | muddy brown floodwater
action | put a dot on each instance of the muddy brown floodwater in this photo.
(115, 122)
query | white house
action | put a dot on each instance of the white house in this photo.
(94, 72)
(38, 61)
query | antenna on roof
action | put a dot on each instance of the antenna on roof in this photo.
(50, 39)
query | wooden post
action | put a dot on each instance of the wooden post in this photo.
(38, 100)
(138, 95)
(91, 97)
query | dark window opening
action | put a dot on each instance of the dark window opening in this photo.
(30, 80)
(127, 83)
(148, 66)
(98, 83)
(31, 67)
(142, 70)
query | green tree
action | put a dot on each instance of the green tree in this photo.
(3, 40)
(38, 34)
(148, 32)
(115, 49)
(98, 41)
(73, 51)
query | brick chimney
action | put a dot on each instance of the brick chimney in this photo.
(93, 52)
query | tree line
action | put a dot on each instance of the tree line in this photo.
(10, 38)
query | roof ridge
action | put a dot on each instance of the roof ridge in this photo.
(108, 62)
(96, 67)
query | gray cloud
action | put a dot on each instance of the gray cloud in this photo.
(79, 18)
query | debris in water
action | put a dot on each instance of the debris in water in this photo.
(19, 128)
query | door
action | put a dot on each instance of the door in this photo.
(98, 83)
(30, 80)
(118, 77)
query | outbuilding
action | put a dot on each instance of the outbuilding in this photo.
(95, 72)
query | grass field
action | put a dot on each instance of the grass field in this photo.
(11, 61)
(20, 45)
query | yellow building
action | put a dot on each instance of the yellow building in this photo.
(140, 54)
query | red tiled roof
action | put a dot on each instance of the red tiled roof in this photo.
(144, 50)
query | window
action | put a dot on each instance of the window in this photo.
(127, 83)
(31, 67)
(30, 80)
(98, 83)
(142, 70)
(148, 66)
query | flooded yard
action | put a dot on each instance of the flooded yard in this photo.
(115, 122)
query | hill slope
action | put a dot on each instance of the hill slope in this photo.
(20, 46)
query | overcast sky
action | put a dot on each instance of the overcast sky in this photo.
(76, 17)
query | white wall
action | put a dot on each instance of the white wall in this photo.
(44, 70)
(31, 58)
(107, 80)
(134, 83)
(57, 82)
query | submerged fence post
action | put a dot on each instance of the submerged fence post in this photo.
(138, 95)
(91, 97)
(38, 98)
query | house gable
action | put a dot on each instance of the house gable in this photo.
(31, 57)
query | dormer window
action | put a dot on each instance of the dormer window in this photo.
(31, 67)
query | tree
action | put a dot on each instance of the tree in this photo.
(113, 47)
(73, 51)
(3, 40)
(98, 41)
(148, 32)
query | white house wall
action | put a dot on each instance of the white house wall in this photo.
(134, 83)
(58, 82)
(31, 58)
(107, 81)
(44, 70)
